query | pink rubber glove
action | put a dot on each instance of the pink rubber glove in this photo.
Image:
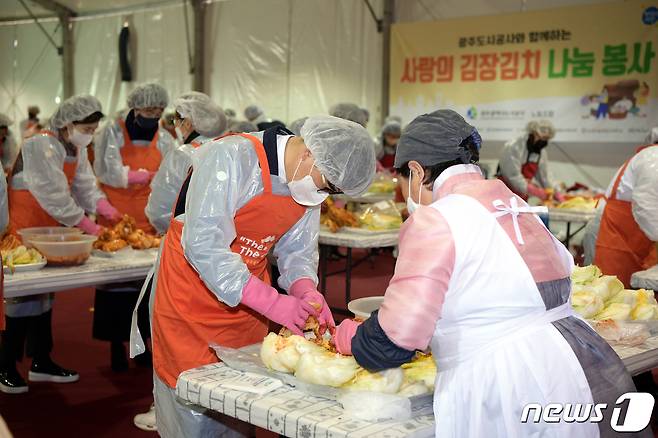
(538, 192)
(344, 334)
(107, 210)
(89, 227)
(305, 289)
(559, 197)
(139, 176)
(379, 167)
(289, 311)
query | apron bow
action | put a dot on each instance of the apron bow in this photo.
(515, 210)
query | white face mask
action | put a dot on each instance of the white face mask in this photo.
(411, 204)
(78, 139)
(179, 135)
(304, 191)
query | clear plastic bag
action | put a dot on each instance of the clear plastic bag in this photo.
(622, 333)
(383, 215)
(384, 182)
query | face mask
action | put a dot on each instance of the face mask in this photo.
(304, 191)
(179, 135)
(411, 204)
(78, 139)
(536, 145)
(147, 123)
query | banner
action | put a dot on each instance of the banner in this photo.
(591, 70)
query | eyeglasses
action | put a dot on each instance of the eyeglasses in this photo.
(330, 188)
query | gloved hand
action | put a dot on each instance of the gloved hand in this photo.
(559, 197)
(289, 311)
(305, 289)
(88, 226)
(379, 167)
(107, 210)
(538, 192)
(139, 176)
(344, 334)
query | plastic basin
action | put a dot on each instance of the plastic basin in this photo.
(363, 307)
(26, 234)
(64, 249)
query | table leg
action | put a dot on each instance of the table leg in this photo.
(348, 276)
(323, 269)
(566, 243)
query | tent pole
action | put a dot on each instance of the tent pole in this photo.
(67, 54)
(199, 7)
(387, 20)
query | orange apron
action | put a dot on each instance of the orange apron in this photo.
(133, 199)
(622, 248)
(24, 209)
(187, 316)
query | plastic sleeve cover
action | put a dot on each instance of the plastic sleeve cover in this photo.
(85, 189)
(166, 143)
(645, 192)
(511, 162)
(4, 210)
(43, 161)
(544, 177)
(223, 170)
(297, 250)
(108, 163)
(166, 185)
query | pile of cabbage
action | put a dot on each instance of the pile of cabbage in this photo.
(600, 297)
(312, 363)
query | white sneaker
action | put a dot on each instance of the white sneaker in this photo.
(146, 421)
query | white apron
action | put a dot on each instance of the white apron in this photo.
(495, 346)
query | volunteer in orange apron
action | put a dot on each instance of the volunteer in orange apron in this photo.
(246, 193)
(127, 155)
(52, 185)
(523, 165)
(30, 126)
(628, 233)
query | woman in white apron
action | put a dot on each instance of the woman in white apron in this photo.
(484, 284)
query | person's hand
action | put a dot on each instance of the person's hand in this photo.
(139, 176)
(89, 227)
(289, 311)
(305, 289)
(344, 334)
(379, 167)
(107, 210)
(537, 192)
(559, 197)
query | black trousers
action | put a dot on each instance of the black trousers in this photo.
(113, 309)
(36, 330)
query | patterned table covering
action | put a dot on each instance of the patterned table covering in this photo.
(287, 411)
(646, 279)
(125, 266)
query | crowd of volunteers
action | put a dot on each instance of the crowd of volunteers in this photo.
(479, 279)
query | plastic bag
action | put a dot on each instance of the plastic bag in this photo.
(384, 182)
(622, 333)
(371, 406)
(380, 216)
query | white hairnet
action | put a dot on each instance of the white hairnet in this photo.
(343, 152)
(75, 109)
(230, 113)
(392, 127)
(194, 95)
(393, 119)
(366, 113)
(652, 137)
(147, 96)
(242, 126)
(296, 126)
(542, 127)
(5, 120)
(207, 118)
(252, 112)
(349, 111)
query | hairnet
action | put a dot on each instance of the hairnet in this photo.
(252, 112)
(242, 126)
(349, 111)
(652, 137)
(207, 118)
(392, 127)
(393, 119)
(435, 138)
(296, 126)
(33, 109)
(5, 120)
(343, 151)
(194, 95)
(366, 113)
(75, 109)
(542, 127)
(230, 113)
(147, 96)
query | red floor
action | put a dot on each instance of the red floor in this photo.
(102, 403)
